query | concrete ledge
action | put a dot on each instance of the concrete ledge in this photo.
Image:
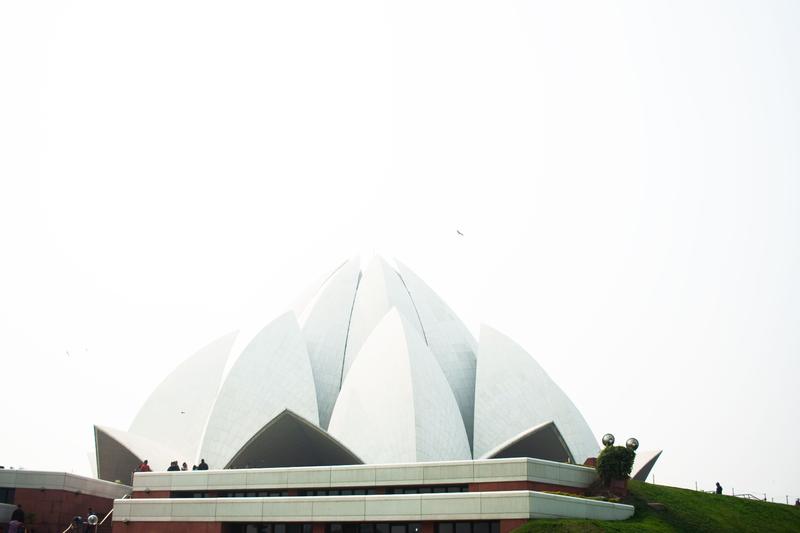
(5, 512)
(366, 476)
(36, 479)
(373, 508)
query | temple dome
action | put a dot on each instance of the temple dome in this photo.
(370, 366)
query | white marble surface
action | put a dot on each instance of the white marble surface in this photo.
(643, 464)
(449, 340)
(39, 479)
(176, 412)
(273, 373)
(513, 394)
(379, 291)
(396, 404)
(325, 324)
(157, 455)
(374, 508)
(365, 476)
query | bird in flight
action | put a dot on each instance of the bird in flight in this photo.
(459, 232)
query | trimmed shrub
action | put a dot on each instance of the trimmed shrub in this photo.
(614, 462)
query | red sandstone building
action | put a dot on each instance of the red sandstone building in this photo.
(51, 500)
(488, 496)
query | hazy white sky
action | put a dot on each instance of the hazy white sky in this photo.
(626, 175)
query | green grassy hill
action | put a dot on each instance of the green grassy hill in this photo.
(686, 510)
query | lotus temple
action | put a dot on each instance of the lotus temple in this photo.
(367, 408)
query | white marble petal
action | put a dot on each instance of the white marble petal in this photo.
(644, 463)
(176, 413)
(112, 445)
(448, 339)
(325, 324)
(273, 373)
(306, 298)
(513, 393)
(395, 404)
(380, 290)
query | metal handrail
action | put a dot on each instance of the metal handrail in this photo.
(100, 523)
(748, 496)
(111, 511)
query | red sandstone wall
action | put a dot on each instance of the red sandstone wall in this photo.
(508, 525)
(168, 527)
(54, 509)
(215, 527)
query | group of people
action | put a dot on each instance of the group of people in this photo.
(17, 522)
(173, 466)
(84, 525)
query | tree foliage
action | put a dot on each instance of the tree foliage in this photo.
(614, 462)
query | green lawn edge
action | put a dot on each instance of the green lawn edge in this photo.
(686, 510)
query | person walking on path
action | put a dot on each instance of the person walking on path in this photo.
(203, 465)
(719, 488)
(17, 522)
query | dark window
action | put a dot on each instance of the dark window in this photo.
(397, 528)
(463, 527)
(495, 526)
(411, 491)
(424, 490)
(270, 528)
(366, 528)
(453, 489)
(346, 492)
(381, 528)
(350, 528)
(6, 495)
(480, 527)
(444, 527)
(334, 528)
(439, 489)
